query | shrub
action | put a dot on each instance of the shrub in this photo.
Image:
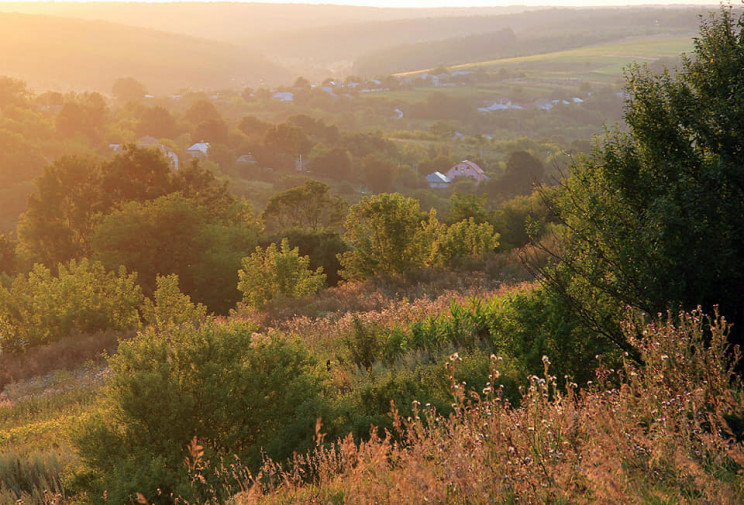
(267, 274)
(170, 307)
(466, 238)
(83, 297)
(667, 434)
(239, 393)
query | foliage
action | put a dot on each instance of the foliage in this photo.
(309, 206)
(466, 238)
(174, 235)
(169, 307)
(271, 273)
(83, 297)
(323, 249)
(649, 209)
(385, 234)
(668, 433)
(523, 172)
(59, 219)
(239, 393)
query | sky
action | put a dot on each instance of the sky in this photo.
(455, 3)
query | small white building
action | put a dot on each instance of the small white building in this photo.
(284, 96)
(199, 150)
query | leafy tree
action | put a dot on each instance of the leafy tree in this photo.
(128, 89)
(12, 91)
(174, 235)
(201, 111)
(465, 206)
(59, 218)
(135, 175)
(378, 174)
(466, 238)
(270, 273)
(323, 248)
(654, 217)
(158, 122)
(253, 127)
(288, 139)
(385, 235)
(199, 184)
(213, 130)
(83, 114)
(20, 160)
(234, 392)
(308, 206)
(523, 172)
(332, 162)
(8, 257)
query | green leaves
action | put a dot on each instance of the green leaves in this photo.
(270, 273)
(654, 217)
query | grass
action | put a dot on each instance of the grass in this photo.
(35, 415)
(661, 433)
(601, 63)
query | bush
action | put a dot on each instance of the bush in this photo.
(267, 274)
(83, 297)
(170, 307)
(238, 393)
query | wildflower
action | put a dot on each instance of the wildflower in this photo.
(545, 360)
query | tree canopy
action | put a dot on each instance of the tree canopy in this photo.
(654, 217)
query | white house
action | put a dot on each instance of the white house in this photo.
(284, 96)
(199, 150)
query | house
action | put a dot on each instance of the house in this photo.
(199, 150)
(437, 180)
(246, 159)
(467, 169)
(284, 96)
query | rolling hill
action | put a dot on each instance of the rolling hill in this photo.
(74, 54)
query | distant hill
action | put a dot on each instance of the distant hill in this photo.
(531, 32)
(238, 22)
(63, 53)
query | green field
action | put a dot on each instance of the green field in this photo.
(602, 63)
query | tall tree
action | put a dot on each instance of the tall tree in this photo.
(308, 206)
(654, 217)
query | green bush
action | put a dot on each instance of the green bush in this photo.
(267, 274)
(525, 324)
(40, 307)
(170, 307)
(236, 392)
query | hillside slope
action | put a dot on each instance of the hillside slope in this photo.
(529, 33)
(75, 53)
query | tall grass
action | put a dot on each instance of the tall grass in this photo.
(667, 432)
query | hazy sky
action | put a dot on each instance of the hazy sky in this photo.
(456, 3)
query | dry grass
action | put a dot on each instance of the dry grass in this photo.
(68, 353)
(669, 432)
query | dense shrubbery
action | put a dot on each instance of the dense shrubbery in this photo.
(389, 234)
(272, 273)
(83, 297)
(239, 393)
(669, 433)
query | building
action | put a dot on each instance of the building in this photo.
(467, 169)
(199, 150)
(437, 180)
